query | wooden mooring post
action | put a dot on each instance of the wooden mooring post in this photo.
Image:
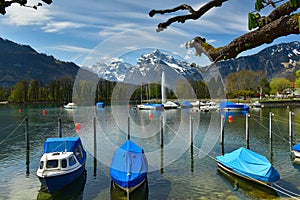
(271, 135)
(59, 128)
(222, 133)
(95, 147)
(191, 130)
(247, 131)
(291, 136)
(27, 146)
(128, 132)
(161, 131)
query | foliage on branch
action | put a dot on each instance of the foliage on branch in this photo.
(4, 4)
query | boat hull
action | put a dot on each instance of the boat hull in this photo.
(296, 156)
(223, 167)
(54, 183)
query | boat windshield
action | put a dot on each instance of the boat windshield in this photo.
(78, 152)
(64, 163)
(41, 164)
(52, 164)
(72, 161)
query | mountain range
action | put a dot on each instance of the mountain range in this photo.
(21, 62)
(281, 60)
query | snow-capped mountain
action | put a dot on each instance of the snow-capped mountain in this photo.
(278, 60)
(113, 71)
(148, 67)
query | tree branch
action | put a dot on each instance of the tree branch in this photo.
(194, 14)
(285, 25)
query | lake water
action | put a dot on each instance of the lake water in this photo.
(176, 171)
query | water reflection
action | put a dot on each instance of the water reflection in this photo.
(140, 193)
(72, 191)
(257, 191)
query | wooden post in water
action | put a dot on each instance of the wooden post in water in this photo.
(247, 131)
(191, 129)
(161, 131)
(59, 128)
(27, 146)
(95, 147)
(291, 130)
(192, 158)
(270, 135)
(128, 133)
(222, 133)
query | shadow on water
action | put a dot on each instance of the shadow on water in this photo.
(254, 190)
(140, 193)
(72, 191)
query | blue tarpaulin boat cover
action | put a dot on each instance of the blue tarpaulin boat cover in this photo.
(230, 105)
(250, 164)
(129, 165)
(64, 144)
(296, 147)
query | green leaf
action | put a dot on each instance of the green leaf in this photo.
(252, 23)
(259, 5)
(299, 23)
(293, 3)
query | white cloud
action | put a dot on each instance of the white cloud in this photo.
(52, 27)
(23, 16)
(72, 49)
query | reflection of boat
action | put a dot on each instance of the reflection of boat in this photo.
(129, 166)
(249, 165)
(170, 105)
(226, 105)
(256, 104)
(227, 113)
(208, 106)
(100, 104)
(70, 106)
(63, 161)
(255, 190)
(150, 106)
(296, 152)
(186, 104)
(141, 192)
(72, 191)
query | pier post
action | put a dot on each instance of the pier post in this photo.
(59, 128)
(95, 147)
(291, 137)
(222, 133)
(27, 146)
(161, 131)
(191, 129)
(271, 135)
(128, 133)
(247, 131)
(192, 159)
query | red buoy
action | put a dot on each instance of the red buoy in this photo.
(230, 118)
(150, 116)
(44, 112)
(20, 110)
(77, 127)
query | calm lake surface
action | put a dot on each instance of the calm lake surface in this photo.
(176, 171)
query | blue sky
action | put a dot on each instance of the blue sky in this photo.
(84, 31)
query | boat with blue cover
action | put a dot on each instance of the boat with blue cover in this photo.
(296, 152)
(227, 105)
(100, 104)
(63, 161)
(249, 165)
(129, 166)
